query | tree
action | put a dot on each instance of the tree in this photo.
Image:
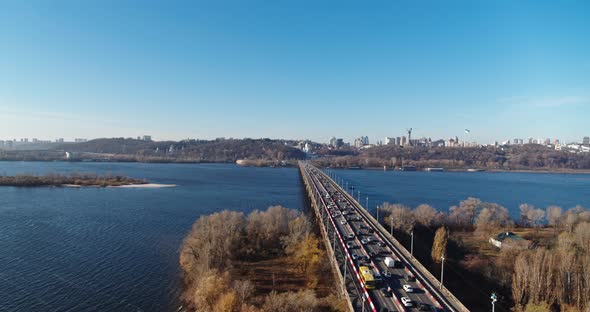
(243, 290)
(524, 213)
(464, 215)
(491, 217)
(425, 215)
(439, 246)
(554, 216)
(400, 216)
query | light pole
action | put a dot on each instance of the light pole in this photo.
(367, 205)
(412, 244)
(494, 299)
(442, 270)
(346, 186)
(391, 225)
(377, 213)
(358, 197)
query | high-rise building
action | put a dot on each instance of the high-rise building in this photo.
(147, 138)
(586, 140)
(389, 141)
(531, 141)
(339, 143)
(547, 141)
(333, 141)
(403, 141)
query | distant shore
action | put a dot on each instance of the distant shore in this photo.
(561, 170)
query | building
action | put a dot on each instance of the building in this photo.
(505, 239)
(361, 141)
(389, 141)
(403, 141)
(547, 141)
(339, 143)
(333, 141)
(586, 141)
(147, 138)
(79, 140)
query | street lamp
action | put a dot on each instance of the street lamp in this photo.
(367, 205)
(442, 270)
(494, 299)
(391, 225)
(412, 244)
(377, 213)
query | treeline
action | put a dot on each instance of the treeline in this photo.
(220, 243)
(77, 179)
(221, 150)
(526, 157)
(538, 276)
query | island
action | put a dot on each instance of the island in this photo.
(73, 180)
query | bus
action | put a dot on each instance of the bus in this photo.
(367, 277)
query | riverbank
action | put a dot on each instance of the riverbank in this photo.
(544, 170)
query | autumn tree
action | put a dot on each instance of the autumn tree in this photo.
(464, 215)
(425, 215)
(553, 214)
(491, 217)
(439, 246)
(400, 216)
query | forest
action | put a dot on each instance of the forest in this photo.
(289, 268)
(549, 270)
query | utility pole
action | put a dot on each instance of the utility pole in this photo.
(442, 271)
(412, 244)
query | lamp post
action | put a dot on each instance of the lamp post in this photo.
(494, 299)
(412, 244)
(442, 270)
(377, 213)
(367, 205)
(391, 225)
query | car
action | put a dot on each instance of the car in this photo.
(386, 292)
(368, 239)
(372, 254)
(343, 222)
(408, 288)
(344, 212)
(424, 307)
(371, 231)
(366, 258)
(407, 302)
(351, 236)
(363, 226)
(380, 244)
(349, 245)
(410, 278)
(355, 256)
(387, 274)
(364, 241)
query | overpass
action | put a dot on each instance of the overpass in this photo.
(354, 238)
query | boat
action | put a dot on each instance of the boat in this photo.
(435, 169)
(408, 168)
(475, 170)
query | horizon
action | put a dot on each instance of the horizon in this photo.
(295, 71)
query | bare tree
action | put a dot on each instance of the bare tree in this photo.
(425, 215)
(554, 216)
(524, 213)
(400, 216)
(491, 217)
(243, 289)
(464, 215)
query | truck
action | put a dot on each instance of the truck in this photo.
(390, 262)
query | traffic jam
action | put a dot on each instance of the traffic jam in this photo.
(388, 283)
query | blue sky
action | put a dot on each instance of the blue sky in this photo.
(295, 69)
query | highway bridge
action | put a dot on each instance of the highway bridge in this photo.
(354, 239)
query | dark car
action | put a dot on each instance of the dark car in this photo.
(386, 292)
(410, 278)
(424, 307)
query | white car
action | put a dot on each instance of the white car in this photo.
(364, 241)
(408, 288)
(407, 302)
(350, 236)
(343, 222)
(355, 256)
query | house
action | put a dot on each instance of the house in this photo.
(504, 238)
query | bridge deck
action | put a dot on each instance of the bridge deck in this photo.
(343, 216)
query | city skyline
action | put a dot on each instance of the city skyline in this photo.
(286, 71)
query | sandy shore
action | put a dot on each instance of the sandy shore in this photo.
(146, 185)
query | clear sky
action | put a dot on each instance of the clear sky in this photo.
(295, 69)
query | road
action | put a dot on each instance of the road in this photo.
(353, 229)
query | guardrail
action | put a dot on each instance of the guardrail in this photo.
(323, 230)
(443, 294)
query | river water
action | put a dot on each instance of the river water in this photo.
(116, 249)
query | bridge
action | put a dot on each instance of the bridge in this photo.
(354, 239)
